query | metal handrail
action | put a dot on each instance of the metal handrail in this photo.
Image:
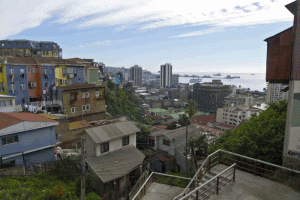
(256, 160)
(195, 176)
(158, 174)
(207, 182)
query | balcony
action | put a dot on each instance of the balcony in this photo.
(41, 103)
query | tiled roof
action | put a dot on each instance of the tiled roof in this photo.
(80, 86)
(79, 124)
(48, 116)
(56, 61)
(9, 119)
(204, 119)
(78, 60)
(21, 60)
(226, 125)
(112, 131)
(115, 164)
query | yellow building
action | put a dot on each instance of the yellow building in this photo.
(3, 82)
(61, 75)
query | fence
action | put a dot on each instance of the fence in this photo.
(161, 178)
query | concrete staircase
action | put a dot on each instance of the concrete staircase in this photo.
(206, 178)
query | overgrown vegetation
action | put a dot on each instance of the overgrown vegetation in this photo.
(262, 137)
(63, 183)
(179, 182)
(123, 102)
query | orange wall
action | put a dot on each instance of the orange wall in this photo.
(37, 77)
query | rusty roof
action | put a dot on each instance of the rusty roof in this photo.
(226, 125)
(48, 116)
(21, 60)
(204, 119)
(79, 124)
(56, 61)
(80, 86)
(9, 119)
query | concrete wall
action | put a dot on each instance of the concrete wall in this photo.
(18, 170)
(8, 108)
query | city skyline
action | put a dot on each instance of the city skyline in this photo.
(225, 37)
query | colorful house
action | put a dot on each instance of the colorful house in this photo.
(26, 139)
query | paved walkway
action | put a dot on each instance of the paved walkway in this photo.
(159, 191)
(247, 186)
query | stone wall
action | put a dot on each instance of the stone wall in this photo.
(18, 170)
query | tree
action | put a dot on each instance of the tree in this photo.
(142, 137)
(191, 109)
(262, 137)
(199, 144)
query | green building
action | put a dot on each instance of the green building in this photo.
(91, 75)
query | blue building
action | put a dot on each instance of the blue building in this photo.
(26, 139)
(29, 48)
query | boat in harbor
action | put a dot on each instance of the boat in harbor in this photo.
(206, 76)
(217, 74)
(229, 77)
(194, 80)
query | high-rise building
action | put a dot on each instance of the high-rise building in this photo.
(275, 93)
(136, 75)
(175, 79)
(166, 75)
(210, 96)
(29, 48)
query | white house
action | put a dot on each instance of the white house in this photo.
(112, 155)
(7, 103)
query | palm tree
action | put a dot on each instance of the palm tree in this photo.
(191, 108)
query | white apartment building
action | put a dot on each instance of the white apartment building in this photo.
(7, 103)
(274, 92)
(235, 115)
(166, 75)
(239, 99)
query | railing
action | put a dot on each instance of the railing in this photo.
(244, 163)
(160, 178)
(215, 188)
(40, 103)
(138, 184)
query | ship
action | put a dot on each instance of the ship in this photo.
(217, 74)
(206, 76)
(195, 80)
(229, 77)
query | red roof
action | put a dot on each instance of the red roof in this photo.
(226, 125)
(161, 126)
(204, 119)
(9, 119)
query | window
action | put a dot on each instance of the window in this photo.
(53, 70)
(55, 53)
(38, 46)
(47, 53)
(22, 71)
(166, 142)
(23, 100)
(10, 44)
(125, 141)
(12, 86)
(83, 108)
(22, 86)
(87, 95)
(87, 107)
(3, 44)
(104, 147)
(97, 94)
(72, 96)
(54, 46)
(46, 84)
(12, 70)
(86, 72)
(10, 140)
(151, 142)
(32, 70)
(64, 70)
(48, 98)
(64, 82)
(83, 94)
(45, 71)
(73, 110)
(47, 46)
(1, 70)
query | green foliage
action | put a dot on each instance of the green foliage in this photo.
(191, 108)
(123, 102)
(198, 143)
(179, 182)
(141, 137)
(262, 137)
(90, 183)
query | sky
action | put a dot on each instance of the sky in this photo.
(193, 35)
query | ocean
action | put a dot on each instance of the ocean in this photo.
(246, 80)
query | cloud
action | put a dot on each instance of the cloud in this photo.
(202, 32)
(18, 16)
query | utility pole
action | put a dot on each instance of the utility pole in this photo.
(82, 191)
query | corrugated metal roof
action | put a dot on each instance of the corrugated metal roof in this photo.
(115, 164)
(173, 134)
(112, 131)
(79, 124)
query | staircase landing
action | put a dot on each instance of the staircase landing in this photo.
(247, 186)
